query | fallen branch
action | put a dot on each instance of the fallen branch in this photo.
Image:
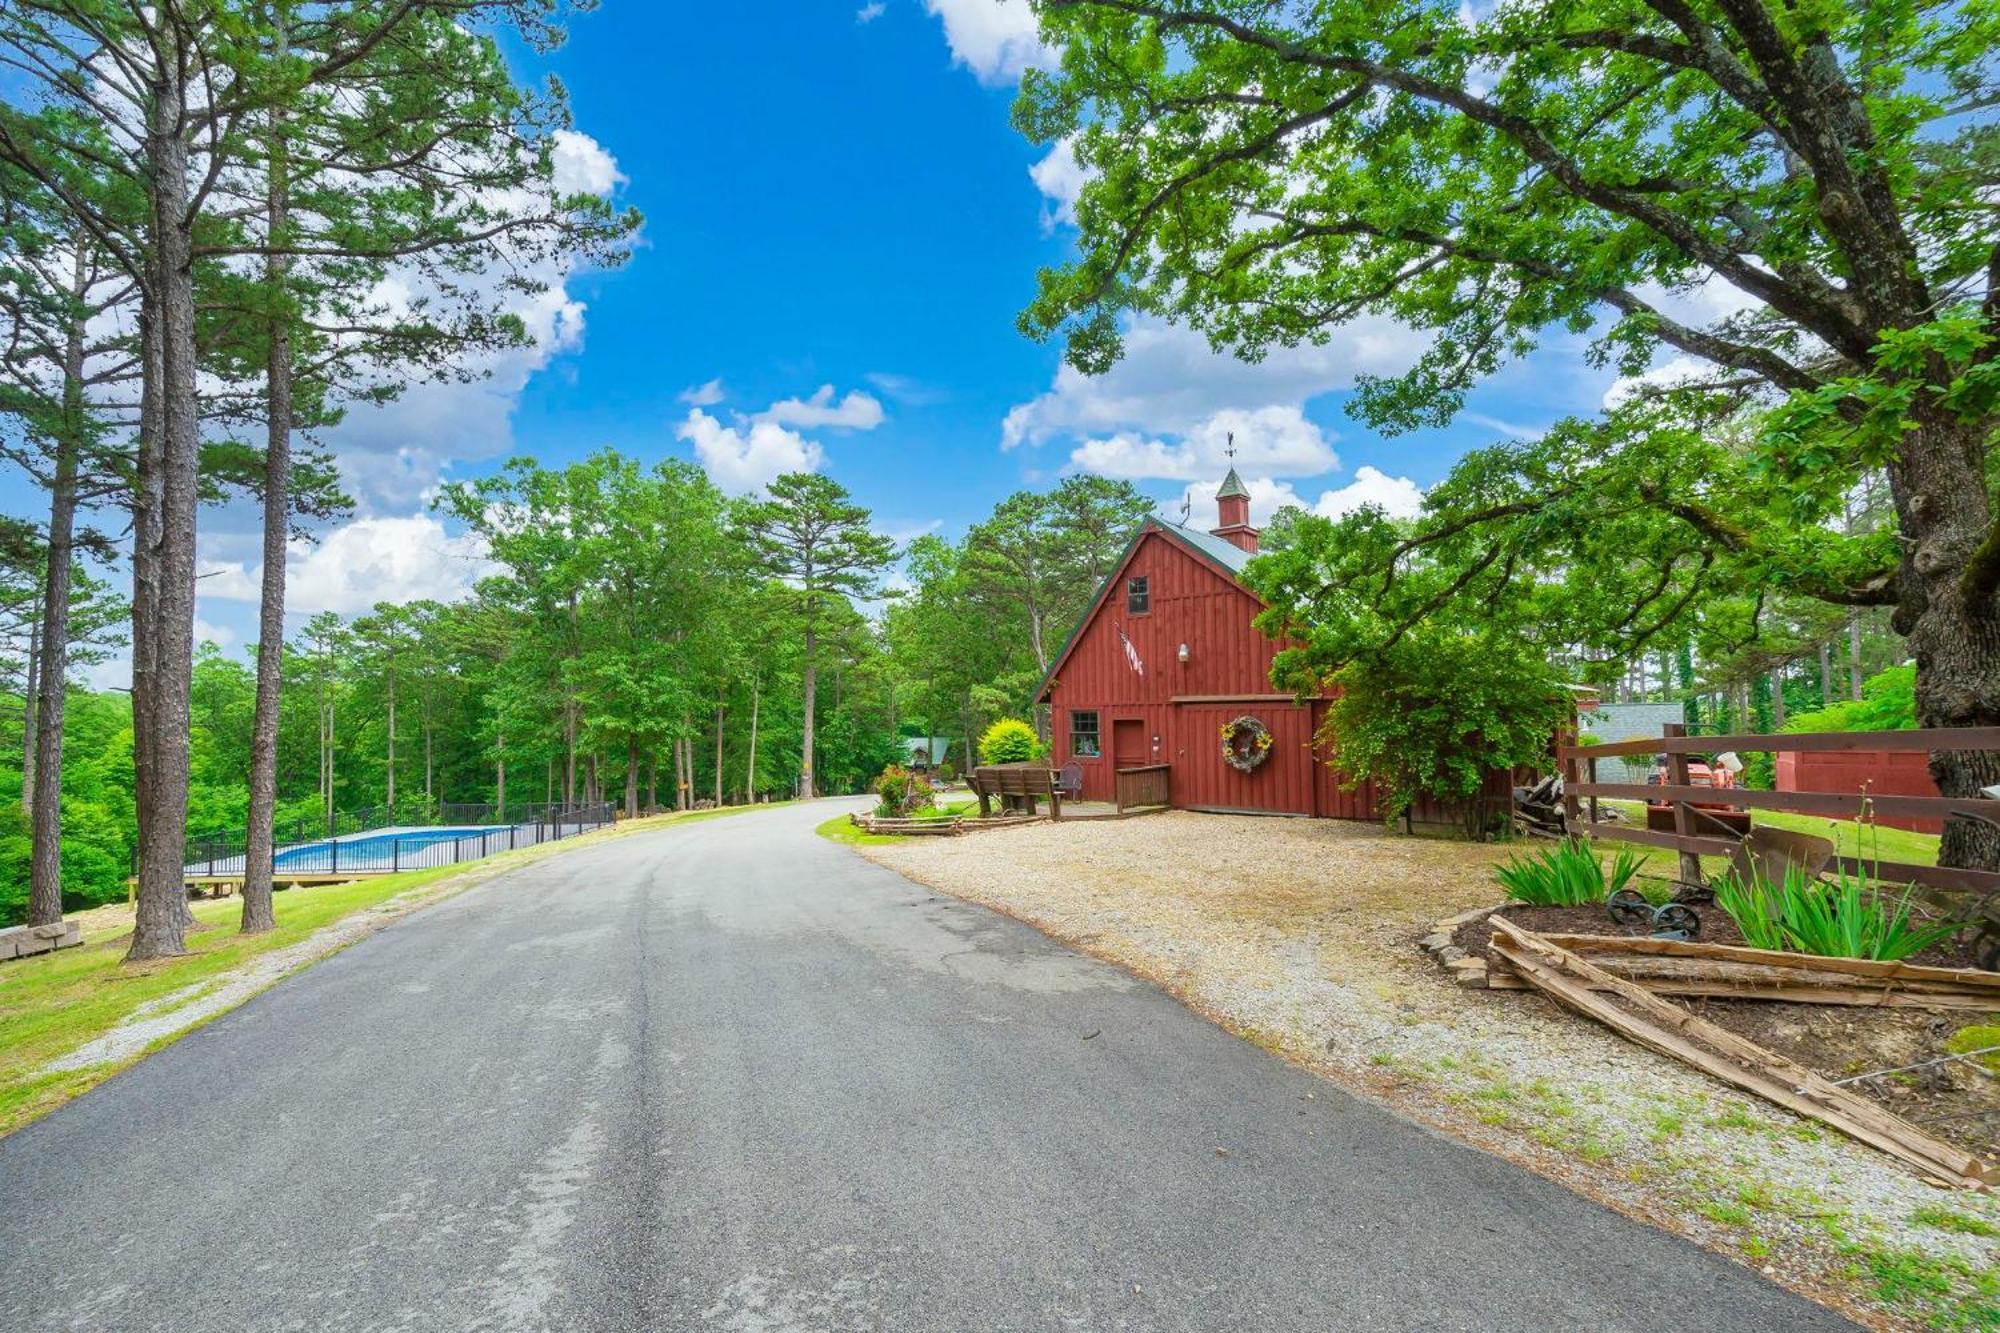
(1672, 1031)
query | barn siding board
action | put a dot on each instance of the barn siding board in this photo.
(1192, 602)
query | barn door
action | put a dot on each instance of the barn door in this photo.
(1128, 743)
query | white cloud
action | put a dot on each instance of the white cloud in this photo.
(220, 635)
(856, 411)
(703, 395)
(1060, 178)
(582, 166)
(226, 580)
(905, 389)
(1170, 381)
(358, 564)
(995, 39)
(1272, 440)
(747, 456)
(868, 13)
(1398, 497)
(1673, 371)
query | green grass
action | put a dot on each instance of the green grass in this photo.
(1867, 842)
(53, 1003)
(1947, 1219)
(843, 830)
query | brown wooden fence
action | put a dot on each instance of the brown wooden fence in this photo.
(1695, 834)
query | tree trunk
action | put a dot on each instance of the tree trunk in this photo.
(1826, 675)
(259, 850)
(750, 765)
(163, 614)
(30, 699)
(48, 671)
(500, 774)
(718, 756)
(392, 746)
(569, 752)
(631, 778)
(653, 780)
(806, 787)
(1941, 501)
(1853, 654)
(1777, 698)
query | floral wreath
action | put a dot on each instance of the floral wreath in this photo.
(1246, 743)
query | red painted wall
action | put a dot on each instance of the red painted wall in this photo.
(1192, 602)
(1879, 772)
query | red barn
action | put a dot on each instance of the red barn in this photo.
(1165, 659)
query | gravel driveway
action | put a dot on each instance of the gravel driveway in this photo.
(1301, 936)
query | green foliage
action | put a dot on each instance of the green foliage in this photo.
(1268, 174)
(904, 792)
(1855, 916)
(1009, 741)
(1887, 703)
(1569, 874)
(1436, 714)
(1756, 905)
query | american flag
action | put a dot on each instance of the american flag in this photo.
(1131, 653)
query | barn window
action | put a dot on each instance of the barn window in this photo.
(1083, 736)
(1138, 600)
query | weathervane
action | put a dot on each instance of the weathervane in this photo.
(1230, 447)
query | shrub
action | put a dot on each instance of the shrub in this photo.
(1566, 875)
(903, 792)
(1856, 916)
(1009, 741)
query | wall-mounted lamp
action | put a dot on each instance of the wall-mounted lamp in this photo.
(1184, 654)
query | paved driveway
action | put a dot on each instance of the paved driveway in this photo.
(728, 1075)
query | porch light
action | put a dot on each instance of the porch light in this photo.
(1184, 654)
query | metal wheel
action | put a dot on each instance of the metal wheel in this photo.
(1629, 908)
(1676, 921)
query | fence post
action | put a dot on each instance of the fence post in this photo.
(1572, 773)
(1677, 775)
(335, 848)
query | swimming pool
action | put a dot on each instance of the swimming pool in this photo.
(395, 848)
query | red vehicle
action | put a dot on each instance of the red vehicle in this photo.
(1660, 814)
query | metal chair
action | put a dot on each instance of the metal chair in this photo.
(1069, 779)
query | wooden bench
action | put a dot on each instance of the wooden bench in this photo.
(1017, 787)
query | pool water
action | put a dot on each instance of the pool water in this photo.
(359, 849)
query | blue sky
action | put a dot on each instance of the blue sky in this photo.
(840, 229)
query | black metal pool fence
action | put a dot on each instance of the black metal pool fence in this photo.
(383, 840)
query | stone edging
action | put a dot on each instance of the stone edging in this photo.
(1466, 969)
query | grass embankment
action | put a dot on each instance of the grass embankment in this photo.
(52, 1004)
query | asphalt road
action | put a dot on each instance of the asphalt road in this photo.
(731, 1076)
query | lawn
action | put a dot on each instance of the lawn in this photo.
(1869, 842)
(54, 1003)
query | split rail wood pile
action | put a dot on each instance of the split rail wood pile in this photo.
(1693, 837)
(1635, 1012)
(1725, 971)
